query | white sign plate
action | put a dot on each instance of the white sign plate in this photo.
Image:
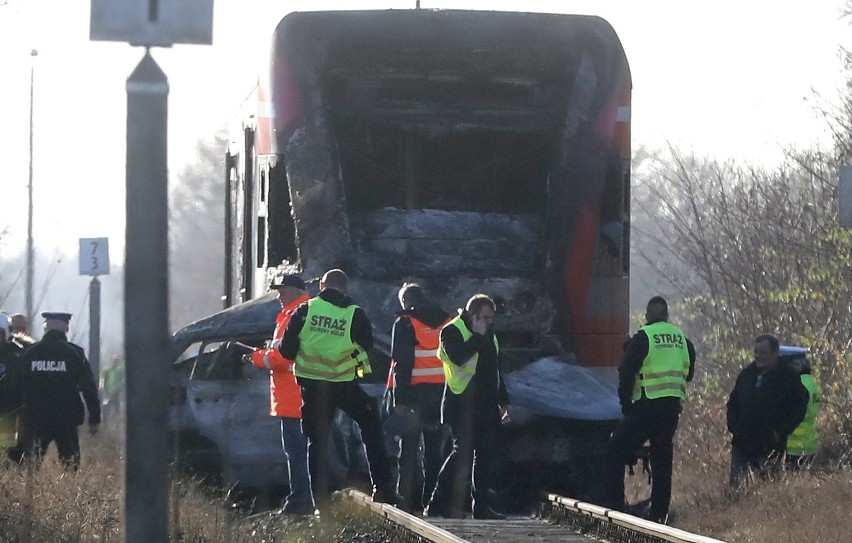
(152, 22)
(94, 256)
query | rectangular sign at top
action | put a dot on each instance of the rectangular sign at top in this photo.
(94, 256)
(152, 23)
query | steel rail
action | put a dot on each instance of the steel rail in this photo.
(398, 519)
(620, 526)
(583, 517)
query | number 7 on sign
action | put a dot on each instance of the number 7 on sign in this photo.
(94, 256)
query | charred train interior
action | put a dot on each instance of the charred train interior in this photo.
(467, 150)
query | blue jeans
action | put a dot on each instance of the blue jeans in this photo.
(301, 499)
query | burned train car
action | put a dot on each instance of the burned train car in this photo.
(470, 151)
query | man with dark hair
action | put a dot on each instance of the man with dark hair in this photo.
(417, 381)
(475, 401)
(329, 337)
(767, 403)
(652, 377)
(55, 373)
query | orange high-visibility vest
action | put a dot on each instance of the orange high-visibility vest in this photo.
(285, 395)
(428, 368)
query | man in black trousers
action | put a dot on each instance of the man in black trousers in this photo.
(652, 378)
(475, 401)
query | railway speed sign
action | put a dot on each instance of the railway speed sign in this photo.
(94, 256)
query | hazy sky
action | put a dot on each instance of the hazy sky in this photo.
(725, 78)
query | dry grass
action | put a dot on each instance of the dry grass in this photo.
(806, 507)
(64, 506)
(86, 506)
(809, 506)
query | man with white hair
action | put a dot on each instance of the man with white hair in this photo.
(55, 373)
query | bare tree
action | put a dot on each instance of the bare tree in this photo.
(197, 234)
(752, 250)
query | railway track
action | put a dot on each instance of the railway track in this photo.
(562, 519)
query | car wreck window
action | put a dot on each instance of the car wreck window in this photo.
(218, 361)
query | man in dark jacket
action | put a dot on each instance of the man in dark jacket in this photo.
(767, 403)
(417, 380)
(10, 384)
(475, 401)
(658, 363)
(328, 337)
(55, 373)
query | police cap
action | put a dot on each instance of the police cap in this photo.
(56, 316)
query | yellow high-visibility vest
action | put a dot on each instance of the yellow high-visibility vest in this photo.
(458, 377)
(664, 370)
(804, 439)
(326, 350)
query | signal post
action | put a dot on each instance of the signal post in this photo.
(148, 23)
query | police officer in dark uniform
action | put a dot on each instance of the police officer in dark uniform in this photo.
(55, 373)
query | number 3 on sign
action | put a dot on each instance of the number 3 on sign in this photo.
(94, 256)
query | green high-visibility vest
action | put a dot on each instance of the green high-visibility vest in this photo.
(804, 439)
(113, 378)
(664, 370)
(458, 377)
(326, 350)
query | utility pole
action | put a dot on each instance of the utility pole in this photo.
(146, 307)
(28, 293)
(147, 346)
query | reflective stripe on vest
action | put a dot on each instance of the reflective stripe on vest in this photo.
(458, 377)
(804, 439)
(428, 368)
(664, 370)
(326, 350)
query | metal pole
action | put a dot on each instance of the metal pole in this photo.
(146, 322)
(28, 292)
(227, 298)
(95, 327)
